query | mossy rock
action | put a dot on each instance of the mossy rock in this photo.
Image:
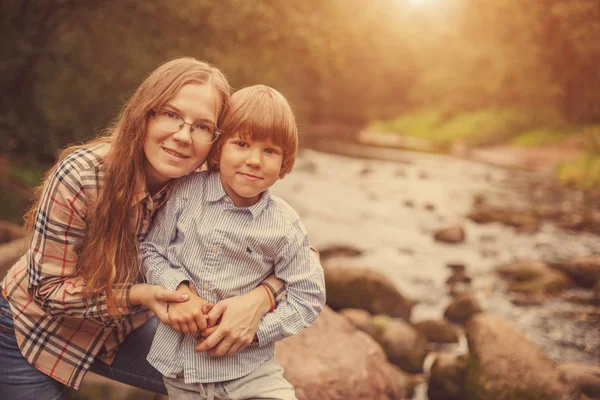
(505, 365)
(367, 289)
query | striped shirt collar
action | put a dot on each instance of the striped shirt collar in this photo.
(215, 192)
(142, 195)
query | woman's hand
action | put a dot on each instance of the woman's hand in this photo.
(188, 317)
(239, 317)
(156, 298)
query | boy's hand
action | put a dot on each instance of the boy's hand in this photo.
(191, 317)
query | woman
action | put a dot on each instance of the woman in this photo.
(74, 302)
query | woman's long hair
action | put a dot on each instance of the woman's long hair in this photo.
(108, 257)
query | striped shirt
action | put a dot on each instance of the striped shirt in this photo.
(58, 331)
(201, 237)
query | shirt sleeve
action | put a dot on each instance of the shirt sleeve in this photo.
(304, 279)
(59, 230)
(154, 249)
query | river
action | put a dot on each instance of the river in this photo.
(389, 203)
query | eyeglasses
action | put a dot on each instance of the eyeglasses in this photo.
(171, 122)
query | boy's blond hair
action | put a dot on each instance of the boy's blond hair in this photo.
(258, 113)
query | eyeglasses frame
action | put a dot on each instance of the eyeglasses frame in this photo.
(216, 132)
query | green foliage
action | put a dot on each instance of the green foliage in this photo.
(28, 175)
(538, 137)
(72, 63)
(585, 171)
(481, 127)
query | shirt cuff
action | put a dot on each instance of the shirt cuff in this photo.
(269, 330)
(172, 278)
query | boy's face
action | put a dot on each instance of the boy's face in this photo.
(248, 168)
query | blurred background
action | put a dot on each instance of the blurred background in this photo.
(417, 116)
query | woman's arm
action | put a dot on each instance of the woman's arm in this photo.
(59, 230)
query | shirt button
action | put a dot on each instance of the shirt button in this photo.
(214, 249)
(228, 212)
(206, 286)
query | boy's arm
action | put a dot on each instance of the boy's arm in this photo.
(299, 267)
(277, 286)
(156, 267)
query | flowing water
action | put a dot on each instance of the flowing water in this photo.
(390, 209)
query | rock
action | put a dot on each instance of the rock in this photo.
(534, 278)
(367, 289)
(408, 381)
(339, 251)
(584, 376)
(333, 360)
(479, 199)
(523, 221)
(447, 377)
(523, 300)
(360, 319)
(404, 345)
(462, 308)
(584, 271)
(456, 267)
(429, 207)
(459, 289)
(458, 277)
(438, 331)
(484, 215)
(365, 171)
(409, 203)
(453, 234)
(10, 252)
(505, 365)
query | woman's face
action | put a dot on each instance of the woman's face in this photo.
(173, 154)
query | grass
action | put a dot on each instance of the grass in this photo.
(502, 127)
(477, 128)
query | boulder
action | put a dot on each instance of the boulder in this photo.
(462, 308)
(452, 234)
(505, 365)
(404, 345)
(584, 271)
(584, 376)
(360, 319)
(339, 251)
(526, 222)
(438, 331)
(367, 289)
(409, 381)
(534, 278)
(334, 360)
(447, 377)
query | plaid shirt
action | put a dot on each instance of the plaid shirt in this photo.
(58, 331)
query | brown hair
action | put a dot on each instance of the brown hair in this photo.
(108, 257)
(259, 112)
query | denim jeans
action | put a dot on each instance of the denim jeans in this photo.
(19, 380)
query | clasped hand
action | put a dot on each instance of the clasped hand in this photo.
(189, 317)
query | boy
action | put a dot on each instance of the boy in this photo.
(223, 232)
